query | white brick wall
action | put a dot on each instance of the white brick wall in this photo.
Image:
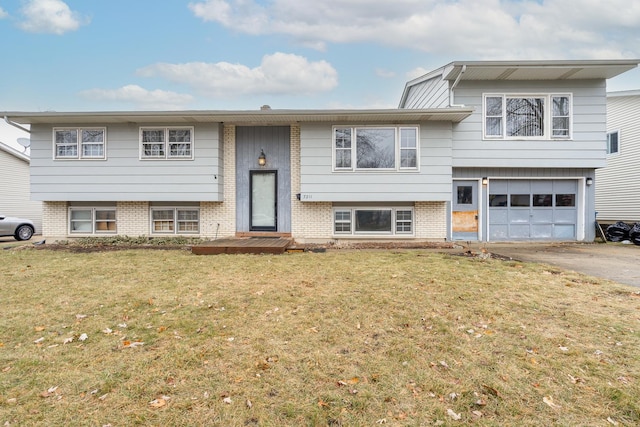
(431, 220)
(132, 218)
(54, 220)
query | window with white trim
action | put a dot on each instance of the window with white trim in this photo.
(613, 142)
(175, 220)
(87, 220)
(363, 148)
(373, 221)
(172, 143)
(79, 143)
(536, 116)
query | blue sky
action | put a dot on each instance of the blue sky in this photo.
(99, 55)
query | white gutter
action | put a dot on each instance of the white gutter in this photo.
(453, 86)
(14, 124)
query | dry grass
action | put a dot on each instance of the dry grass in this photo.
(345, 338)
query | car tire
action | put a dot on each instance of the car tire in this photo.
(24, 232)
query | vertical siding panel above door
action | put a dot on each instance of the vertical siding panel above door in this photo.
(275, 141)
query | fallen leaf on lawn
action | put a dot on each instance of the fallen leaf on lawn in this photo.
(6, 369)
(83, 337)
(491, 390)
(107, 331)
(49, 392)
(612, 421)
(103, 397)
(38, 328)
(158, 403)
(132, 344)
(162, 328)
(444, 364)
(477, 414)
(549, 401)
(227, 400)
(563, 348)
(323, 404)
(68, 340)
(453, 415)
(39, 340)
(381, 421)
(249, 404)
(81, 316)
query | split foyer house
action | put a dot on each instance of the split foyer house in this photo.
(480, 151)
(618, 184)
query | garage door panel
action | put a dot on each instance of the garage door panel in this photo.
(542, 215)
(567, 231)
(565, 216)
(519, 231)
(542, 231)
(519, 215)
(499, 232)
(499, 216)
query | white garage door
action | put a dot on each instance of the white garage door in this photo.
(533, 209)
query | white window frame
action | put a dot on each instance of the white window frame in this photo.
(548, 116)
(399, 149)
(175, 220)
(609, 134)
(395, 221)
(96, 228)
(80, 144)
(166, 144)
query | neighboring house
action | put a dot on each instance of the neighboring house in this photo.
(618, 184)
(15, 194)
(477, 151)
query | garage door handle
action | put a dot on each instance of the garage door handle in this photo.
(476, 217)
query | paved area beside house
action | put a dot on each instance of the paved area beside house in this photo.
(614, 261)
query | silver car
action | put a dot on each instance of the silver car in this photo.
(20, 228)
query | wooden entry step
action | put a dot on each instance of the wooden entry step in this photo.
(253, 245)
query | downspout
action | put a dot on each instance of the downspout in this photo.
(453, 86)
(14, 124)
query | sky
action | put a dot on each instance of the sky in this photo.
(98, 55)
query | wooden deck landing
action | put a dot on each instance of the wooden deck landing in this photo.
(254, 245)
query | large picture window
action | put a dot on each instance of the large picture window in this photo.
(375, 148)
(79, 143)
(175, 220)
(87, 220)
(166, 143)
(373, 221)
(539, 116)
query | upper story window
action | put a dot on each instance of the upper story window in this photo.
(375, 148)
(79, 143)
(166, 143)
(537, 116)
(613, 142)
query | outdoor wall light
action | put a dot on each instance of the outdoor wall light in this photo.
(485, 180)
(589, 181)
(262, 159)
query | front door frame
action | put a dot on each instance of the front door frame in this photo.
(271, 228)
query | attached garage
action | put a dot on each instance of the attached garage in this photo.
(528, 209)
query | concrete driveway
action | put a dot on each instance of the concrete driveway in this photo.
(614, 261)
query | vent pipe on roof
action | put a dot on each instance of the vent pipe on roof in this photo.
(265, 107)
(14, 124)
(453, 86)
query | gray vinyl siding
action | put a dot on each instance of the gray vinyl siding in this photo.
(275, 141)
(14, 191)
(586, 148)
(432, 93)
(618, 184)
(320, 184)
(123, 176)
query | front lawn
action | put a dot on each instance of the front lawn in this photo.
(342, 338)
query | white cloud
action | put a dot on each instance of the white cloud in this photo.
(280, 73)
(50, 16)
(3, 13)
(385, 74)
(142, 98)
(417, 72)
(480, 28)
